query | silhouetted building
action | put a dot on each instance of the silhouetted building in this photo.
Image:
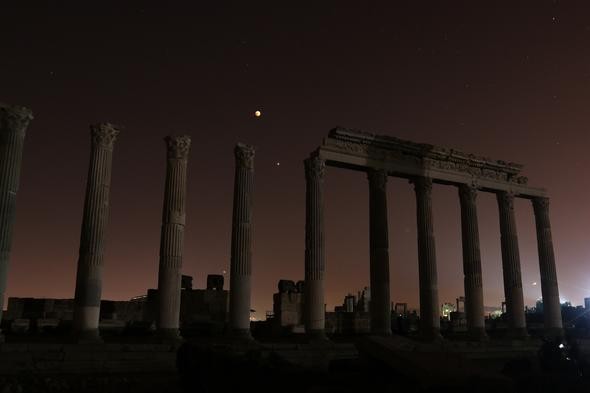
(198, 307)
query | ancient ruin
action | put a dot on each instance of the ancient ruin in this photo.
(94, 224)
(13, 124)
(423, 165)
(241, 242)
(172, 236)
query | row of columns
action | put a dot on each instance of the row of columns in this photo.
(96, 210)
(95, 218)
(380, 313)
(13, 123)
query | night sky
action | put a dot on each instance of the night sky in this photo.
(505, 81)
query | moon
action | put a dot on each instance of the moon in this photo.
(257, 113)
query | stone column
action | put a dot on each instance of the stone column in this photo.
(13, 124)
(315, 253)
(474, 306)
(92, 238)
(172, 236)
(241, 242)
(380, 306)
(429, 307)
(549, 289)
(511, 265)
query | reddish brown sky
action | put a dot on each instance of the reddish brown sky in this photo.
(502, 81)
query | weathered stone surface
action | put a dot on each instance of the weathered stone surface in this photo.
(380, 306)
(427, 272)
(549, 287)
(474, 304)
(315, 253)
(172, 235)
(94, 223)
(14, 121)
(241, 242)
(511, 265)
(362, 151)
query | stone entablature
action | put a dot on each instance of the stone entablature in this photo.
(361, 150)
(423, 165)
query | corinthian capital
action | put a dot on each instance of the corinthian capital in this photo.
(377, 178)
(540, 204)
(506, 198)
(104, 134)
(422, 185)
(178, 146)
(467, 193)
(14, 119)
(315, 167)
(244, 155)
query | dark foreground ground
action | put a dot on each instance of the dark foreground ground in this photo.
(195, 367)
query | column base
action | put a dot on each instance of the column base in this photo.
(91, 336)
(432, 334)
(477, 334)
(316, 335)
(553, 332)
(381, 332)
(241, 334)
(169, 336)
(518, 333)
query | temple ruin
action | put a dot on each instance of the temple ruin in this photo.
(423, 165)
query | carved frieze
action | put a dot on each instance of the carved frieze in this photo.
(385, 148)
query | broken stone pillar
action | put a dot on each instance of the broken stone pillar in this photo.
(315, 253)
(474, 305)
(511, 265)
(241, 242)
(92, 238)
(13, 124)
(380, 307)
(172, 236)
(429, 308)
(549, 288)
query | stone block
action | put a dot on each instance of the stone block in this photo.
(85, 355)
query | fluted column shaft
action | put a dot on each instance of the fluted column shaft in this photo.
(172, 236)
(474, 305)
(379, 253)
(315, 253)
(429, 309)
(549, 288)
(13, 124)
(511, 265)
(241, 241)
(94, 223)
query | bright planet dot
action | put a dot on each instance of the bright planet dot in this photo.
(257, 113)
(278, 164)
